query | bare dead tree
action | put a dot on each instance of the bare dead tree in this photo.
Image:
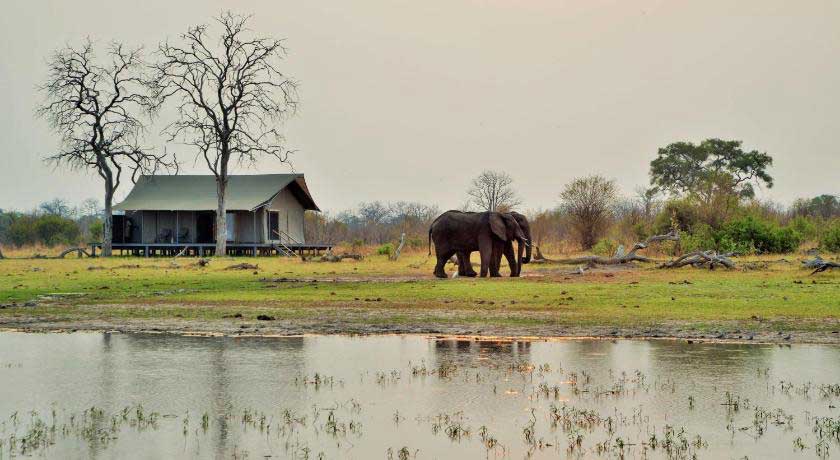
(231, 98)
(588, 201)
(98, 109)
(493, 191)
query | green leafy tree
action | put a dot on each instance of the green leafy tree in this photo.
(717, 173)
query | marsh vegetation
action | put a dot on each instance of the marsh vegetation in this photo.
(113, 395)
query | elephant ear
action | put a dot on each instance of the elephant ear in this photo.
(497, 225)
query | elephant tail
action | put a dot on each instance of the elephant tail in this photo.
(430, 240)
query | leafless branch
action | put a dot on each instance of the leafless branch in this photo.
(493, 191)
(98, 110)
(230, 93)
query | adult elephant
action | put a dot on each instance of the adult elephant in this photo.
(514, 262)
(460, 233)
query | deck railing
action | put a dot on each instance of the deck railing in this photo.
(282, 247)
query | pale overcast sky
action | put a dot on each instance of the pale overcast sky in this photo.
(407, 100)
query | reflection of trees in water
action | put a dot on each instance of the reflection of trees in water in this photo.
(219, 374)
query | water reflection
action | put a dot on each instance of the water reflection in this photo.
(405, 392)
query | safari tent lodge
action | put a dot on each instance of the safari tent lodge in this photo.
(168, 215)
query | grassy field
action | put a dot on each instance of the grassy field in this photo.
(771, 300)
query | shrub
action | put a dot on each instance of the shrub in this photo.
(830, 240)
(96, 231)
(605, 247)
(762, 236)
(641, 231)
(21, 231)
(385, 250)
(415, 243)
(680, 214)
(53, 230)
(805, 227)
(702, 238)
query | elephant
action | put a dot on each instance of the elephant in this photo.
(458, 232)
(515, 264)
(506, 249)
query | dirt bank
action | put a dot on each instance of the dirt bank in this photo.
(718, 332)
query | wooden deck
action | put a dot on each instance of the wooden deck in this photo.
(209, 249)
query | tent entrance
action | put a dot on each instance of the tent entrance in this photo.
(273, 225)
(205, 223)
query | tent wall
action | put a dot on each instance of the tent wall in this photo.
(245, 230)
(249, 226)
(291, 215)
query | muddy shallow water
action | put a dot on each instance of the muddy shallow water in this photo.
(163, 396)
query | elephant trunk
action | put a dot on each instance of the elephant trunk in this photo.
(527, 258)
(519, 249)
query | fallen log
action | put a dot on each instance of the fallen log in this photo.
(330, 257)
(819, 264)
(618, 258)
(78, 251)
(242, 266)
(701, 259)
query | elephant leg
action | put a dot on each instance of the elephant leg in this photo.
(485, 250)
(460, 256)
(511, 258)
(496, 260)
(465, 266)
(442, 259)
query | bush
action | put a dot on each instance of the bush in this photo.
(805, 227)
(641, 231)
(758, 235)
(53, 230)
(96, 231)
(21, 231)
(605, 247)
(830, 240)
(416, 243)
(702, 238)
(680, 214)
(385, 250)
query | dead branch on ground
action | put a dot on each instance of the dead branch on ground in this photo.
(619, 258)
(701, 259)
(77, 250)
(330, 257)
(819, 264)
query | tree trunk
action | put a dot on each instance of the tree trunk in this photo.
(221, 220)
(1, 254)
(108, 223)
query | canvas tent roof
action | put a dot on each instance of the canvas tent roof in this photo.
(198, 192)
